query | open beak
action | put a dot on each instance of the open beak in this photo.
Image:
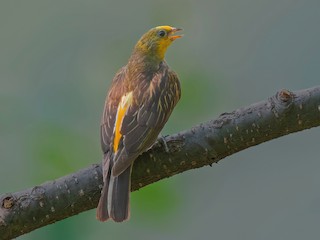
(173, 31)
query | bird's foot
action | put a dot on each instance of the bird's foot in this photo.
(163, 142)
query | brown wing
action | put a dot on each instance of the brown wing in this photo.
(117, 89)
(146, 117)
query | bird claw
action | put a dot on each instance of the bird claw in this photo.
(163, 142)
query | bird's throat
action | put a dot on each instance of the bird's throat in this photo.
(144, 61)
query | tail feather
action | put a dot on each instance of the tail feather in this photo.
(119, 195)
(114, 200)
(102, 209)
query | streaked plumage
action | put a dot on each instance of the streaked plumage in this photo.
(141, 98)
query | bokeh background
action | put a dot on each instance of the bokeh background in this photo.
(57, 59)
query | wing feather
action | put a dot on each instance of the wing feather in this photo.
(108, 120)
(144, 120)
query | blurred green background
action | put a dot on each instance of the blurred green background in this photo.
(57, 59)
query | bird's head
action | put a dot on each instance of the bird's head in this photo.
(156, 41)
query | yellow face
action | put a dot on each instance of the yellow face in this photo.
(158, 39)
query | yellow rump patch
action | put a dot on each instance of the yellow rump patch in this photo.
(125, 103)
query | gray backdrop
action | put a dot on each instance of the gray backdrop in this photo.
(57, 59)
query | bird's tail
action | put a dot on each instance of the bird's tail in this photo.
(118, 196)
(114, 200)
(102, 209)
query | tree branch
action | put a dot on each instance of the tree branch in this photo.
(286, 112)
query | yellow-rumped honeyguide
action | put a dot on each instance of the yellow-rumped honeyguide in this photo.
(139, 102)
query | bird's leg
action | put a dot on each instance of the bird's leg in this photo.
(162, 140)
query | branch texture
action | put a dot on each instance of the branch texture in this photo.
(284, 113)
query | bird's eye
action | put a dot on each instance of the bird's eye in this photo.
(162, 33)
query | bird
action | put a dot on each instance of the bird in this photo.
(142, 96)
